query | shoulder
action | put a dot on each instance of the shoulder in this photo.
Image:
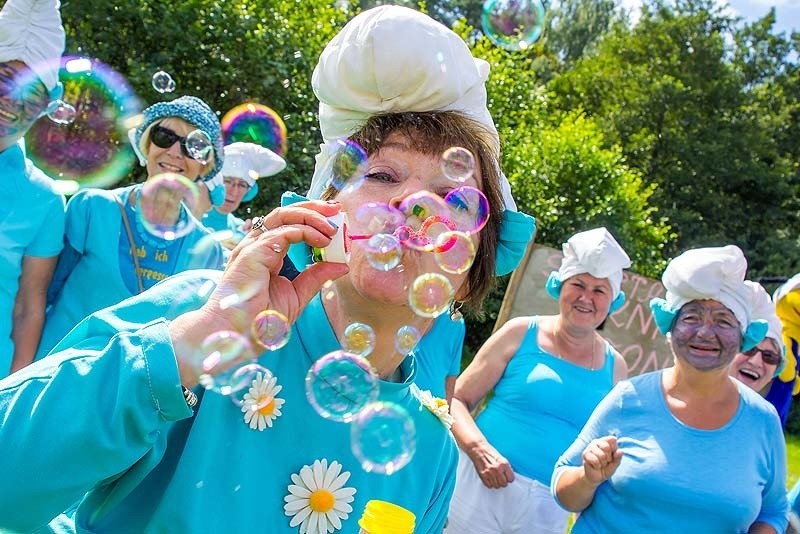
(41, 184)
(755, 402)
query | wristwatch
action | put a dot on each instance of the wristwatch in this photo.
(189, 396)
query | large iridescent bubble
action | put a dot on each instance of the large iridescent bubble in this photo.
(87, 148)
(340, 384)
(255, 123)
(513, 24)
(383, 437)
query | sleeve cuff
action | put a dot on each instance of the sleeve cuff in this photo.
(162, 371)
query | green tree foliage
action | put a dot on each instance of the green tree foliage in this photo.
(689, 118)
(575, 25)
(224, 52)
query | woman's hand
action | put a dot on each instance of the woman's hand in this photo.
(251, 282)
(601, 458)
(495, 471)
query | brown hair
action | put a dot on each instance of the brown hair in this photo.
(432, 133)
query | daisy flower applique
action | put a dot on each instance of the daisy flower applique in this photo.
(318, 501)
(437, 406)
(261, 406)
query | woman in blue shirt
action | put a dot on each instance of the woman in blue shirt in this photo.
(139, 460)
(548, 373)
(122, 237)
(686, 448)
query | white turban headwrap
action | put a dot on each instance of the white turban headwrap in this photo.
(595, 252)
(714, 273)
(392, 59)
(31, 32)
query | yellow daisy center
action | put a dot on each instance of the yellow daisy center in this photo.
(321, 500)
(268, 408)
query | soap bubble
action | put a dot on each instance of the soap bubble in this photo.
(454, 252)
(340, 384)
(359, 339)
(407, 338)
(383, 252)
(199, 146)
(271, 328)
(254, 123)
(469, 208)
(430, 295)
(163, 82)
(349, 163)
(85, 144)
(513, 24)
(163, 204)
(218, 350)
(458, 164)
(383, 437)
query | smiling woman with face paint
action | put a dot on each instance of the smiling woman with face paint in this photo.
(686, 448)
(548, 373)
(133, 237)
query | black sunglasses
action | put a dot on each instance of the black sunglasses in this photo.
(770, 357)
(165, 138)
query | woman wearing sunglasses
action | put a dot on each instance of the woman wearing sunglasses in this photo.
(119, 243)
(686, 448)
(756, 367)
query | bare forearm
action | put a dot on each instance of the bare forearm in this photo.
(26, 332)
(467, 434)
(573, 490)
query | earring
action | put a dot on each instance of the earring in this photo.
(455, 310)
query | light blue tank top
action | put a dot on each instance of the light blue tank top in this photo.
(540, 405)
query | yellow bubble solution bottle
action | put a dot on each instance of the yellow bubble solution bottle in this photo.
(381, 517)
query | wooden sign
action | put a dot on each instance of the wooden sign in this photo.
(631, 329)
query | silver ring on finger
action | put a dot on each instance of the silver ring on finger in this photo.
(258, 224)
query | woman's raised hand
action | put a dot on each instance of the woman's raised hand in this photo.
(251, 282)
(601, 458)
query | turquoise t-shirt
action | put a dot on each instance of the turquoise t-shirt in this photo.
(675, 478)
(93, 230)
(149, 465)
(438, 354)
(540, 404)
(794, 498)
(217, 221)
(31, 224)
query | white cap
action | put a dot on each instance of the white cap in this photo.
(250, 161)
(392, 59)
(595, 252)
(763, 308)
(31, 32)
(714, 273)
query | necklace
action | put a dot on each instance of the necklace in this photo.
(558, 349)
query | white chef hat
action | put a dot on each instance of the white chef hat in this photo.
(595, 252)
(763, 308)
(31, 32)
(392, 59)
(250, 161)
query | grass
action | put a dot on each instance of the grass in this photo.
(793, 455)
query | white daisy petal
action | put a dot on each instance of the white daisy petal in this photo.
(308, 478)
(299, 491)
(331, 474)
(343, 508)
(327, 516)
(334, 520)
(299, 517)
(295, 506)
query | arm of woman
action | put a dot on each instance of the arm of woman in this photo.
(29, 306)
(620, 367)
(472, 386)
(774, 514)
